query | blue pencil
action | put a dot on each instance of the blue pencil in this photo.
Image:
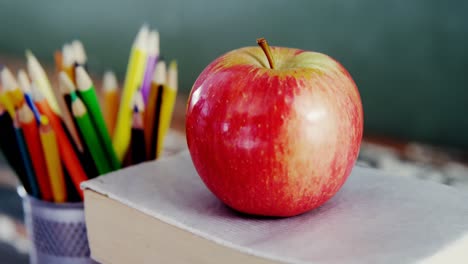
(30, 102)
(26, 161)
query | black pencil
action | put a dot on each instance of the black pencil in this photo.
(67, 88)
(11, 149)
(153, 114)
(137, 143)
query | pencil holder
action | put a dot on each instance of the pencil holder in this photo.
(57, 231)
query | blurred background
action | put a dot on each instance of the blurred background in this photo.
(408, 58)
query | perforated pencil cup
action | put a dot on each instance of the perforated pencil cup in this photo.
(57, 231)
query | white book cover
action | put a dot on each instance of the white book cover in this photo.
(375, 218)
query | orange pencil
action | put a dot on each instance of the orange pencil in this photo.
(153, 109)
(33, 142)
(68, 60)
(52, 159)
(111, 100)
(58, 59)
(68, 155)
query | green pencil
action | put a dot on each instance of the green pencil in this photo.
(85, 125)
(87, 93)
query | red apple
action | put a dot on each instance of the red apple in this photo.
(274, 132)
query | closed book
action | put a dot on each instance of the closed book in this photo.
(161, 212)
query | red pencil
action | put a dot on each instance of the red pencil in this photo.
(67, 154)
(33, 143)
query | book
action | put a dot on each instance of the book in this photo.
(161, 212)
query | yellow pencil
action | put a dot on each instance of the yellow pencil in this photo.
(39, 77)
(52, 159)
(172, 75)
(133, 78)
(6, 103)
(169, 93)
(153, 110)
(11, 87)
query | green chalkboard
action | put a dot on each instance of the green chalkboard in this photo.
(409, 58)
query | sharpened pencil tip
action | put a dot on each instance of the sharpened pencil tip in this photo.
(68, 56)
(160, 72)
(79, 52)
(36, 93)
(153, 43)
(24, 82)
(138, 104)
(83, 81)
(28, 53)
(172, 76)
(109, 81)
(141, 41)
(8, 80)
(65, 83)
(44, 120)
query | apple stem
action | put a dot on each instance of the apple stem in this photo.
(266, 49)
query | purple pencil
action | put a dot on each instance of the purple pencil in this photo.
(153, 54)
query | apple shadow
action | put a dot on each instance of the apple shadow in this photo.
(372, 219)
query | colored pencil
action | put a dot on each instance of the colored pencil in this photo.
(58, 60)
(26, 160)
(64, 82)
(153, 109)
(111, 100)
(172, 75)
(83, 119)
(6, 103)
(133, 78)
(52, 159)
(11, 87)
(67, 152)
(39, 77)
(138, 152)
(34, 146)
(153, 54)
(68, 61)
(54, 139)
(11, 150)
(25, 86)
(68, 90)
(80, 54)
(169, 93)
(87, 93)
(72, 192)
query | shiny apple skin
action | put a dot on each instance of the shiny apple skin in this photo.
(274, 142)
